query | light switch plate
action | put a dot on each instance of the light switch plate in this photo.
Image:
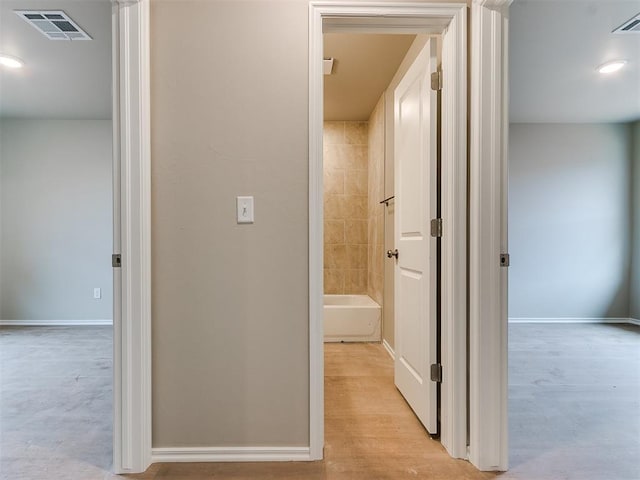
(244, 209)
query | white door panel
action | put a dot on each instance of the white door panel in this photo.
(415, 153)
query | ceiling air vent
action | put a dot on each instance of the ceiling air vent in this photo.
(53, 24)
(630, 26)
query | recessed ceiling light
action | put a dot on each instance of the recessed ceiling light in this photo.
(11, 62)
(611, 67)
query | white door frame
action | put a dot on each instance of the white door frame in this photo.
(132, 237)
(488, 448)
(406, 18)
(487, 281)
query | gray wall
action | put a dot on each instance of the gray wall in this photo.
(634, 304)
(56, 219)
(230, 302)
(569, 217)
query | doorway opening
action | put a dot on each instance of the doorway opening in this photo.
(380, 152)
(57, 288)
(450, 23)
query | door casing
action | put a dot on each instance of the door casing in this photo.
(131, 237)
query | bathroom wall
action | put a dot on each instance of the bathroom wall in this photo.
(376, 213)
(345, 207)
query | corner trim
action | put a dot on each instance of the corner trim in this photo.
(230, 454)
(55, 323)
(634, 321)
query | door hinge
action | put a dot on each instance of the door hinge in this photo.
(436, 227)
(504, 259)
(436, 372)
(436, 80)
(116, 260)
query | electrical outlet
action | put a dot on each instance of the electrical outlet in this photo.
(97, 293)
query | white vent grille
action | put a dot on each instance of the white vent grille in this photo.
(53, 24)
(630, 26)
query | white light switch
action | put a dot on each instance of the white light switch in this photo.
(97, 293)
(245, 209)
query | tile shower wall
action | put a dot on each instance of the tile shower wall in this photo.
(346, 180)
(376, 211)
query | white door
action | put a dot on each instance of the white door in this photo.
(415, 153)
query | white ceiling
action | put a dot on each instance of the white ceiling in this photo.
(364, 65)
(555, 47)
(60, 79)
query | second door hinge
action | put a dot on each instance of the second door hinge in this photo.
(436, 80)
(436, 372)
(116, 260)
(504, 259)
(436, 227)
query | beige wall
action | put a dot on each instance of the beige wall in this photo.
(375, 282)
(229, 90)
(229, 101)
(345, 147)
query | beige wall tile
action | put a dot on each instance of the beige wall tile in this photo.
(333, 157)
(334, 281)
(356, 281)
(335, 207)
(356, 182)
(376, 212)
(356, 133)
(356, 256)
(335, 256)
(334, 232)
(333, 181)
(333, 133)
(356, 207)
(346, 203)
(356, 232)
(356, 157)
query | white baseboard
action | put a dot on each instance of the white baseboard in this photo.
(230, 454)
(54, 323)
(389, 350)
(572, 320)
(634, 321)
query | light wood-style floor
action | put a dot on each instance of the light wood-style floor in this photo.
(370, 432)
(574, 401)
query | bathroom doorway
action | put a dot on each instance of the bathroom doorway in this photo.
(376, 84)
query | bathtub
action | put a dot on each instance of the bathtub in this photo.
(351, 318)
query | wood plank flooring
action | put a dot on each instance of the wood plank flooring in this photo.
(574, 412)
(370, 432)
